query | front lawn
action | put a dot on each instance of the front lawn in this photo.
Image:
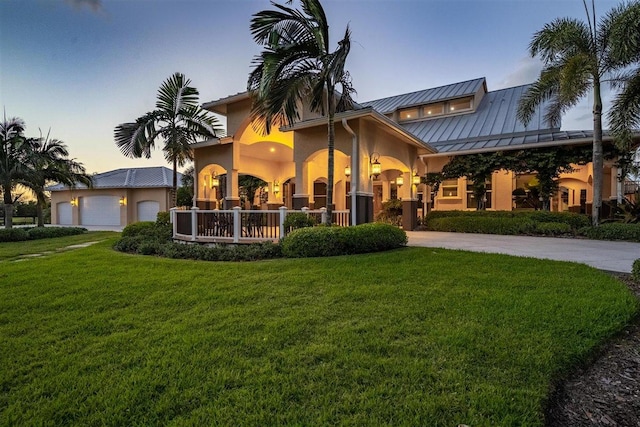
(43, 246)
(416, 336)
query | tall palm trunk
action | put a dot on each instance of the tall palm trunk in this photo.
(174, 188)
(40, 210)
(597, 160)
(8, 206)
(330, 155)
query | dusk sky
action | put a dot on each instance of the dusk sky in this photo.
(81, 67)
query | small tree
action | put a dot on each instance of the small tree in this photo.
(477, 168)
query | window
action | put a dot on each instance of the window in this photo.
(450, 188)
(409, 114)
(472, 203)
(460, 105)
(432, 110)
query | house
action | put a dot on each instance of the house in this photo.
(405, 136)
(118, 197)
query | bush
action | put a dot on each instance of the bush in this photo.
(331, 241)
(391, 212)
(551, 228)
(484, 225)
(136, 228)
(506, 222)
(635, 271)
(296, 220)
(163, 219)
(13, 234)
(36, 233)
(613, 231)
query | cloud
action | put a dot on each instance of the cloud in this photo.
(527, 71)
(95, 5)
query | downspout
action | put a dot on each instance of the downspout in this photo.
(355, 170)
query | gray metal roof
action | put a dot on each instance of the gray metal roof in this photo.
(151, 177)
(455, 90)
(494, 123)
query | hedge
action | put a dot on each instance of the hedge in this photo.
(331, 241)
(542, 223)
(635, 271)
(613, 231)
(36, 233)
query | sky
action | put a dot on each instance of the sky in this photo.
(78, 68)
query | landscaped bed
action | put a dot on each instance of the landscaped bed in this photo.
(414, 336)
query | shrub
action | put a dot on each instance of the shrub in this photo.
(13, 234)
(505, 222)
(391, 212)
(484, 225)
(136, 228)
(296, 220)
(331, 241)
(613, 231)
(551, 228)
(163, 218)
(36, 233)
(635, 271)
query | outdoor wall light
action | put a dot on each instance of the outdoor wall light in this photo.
(415, 180)
(347, 171)
(276, 187)
(376, 167)
(400, 181)
(123, 201)
(74, 201)
(215, 181)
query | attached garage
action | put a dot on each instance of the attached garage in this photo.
(100, 210)
(65, 216)
(148, 210)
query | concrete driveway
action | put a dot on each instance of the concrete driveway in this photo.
(604, 255)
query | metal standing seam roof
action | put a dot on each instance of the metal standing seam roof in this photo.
(150, 177)
(455, 90)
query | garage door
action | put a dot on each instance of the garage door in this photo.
(148, 210)
(100, 210)
(64, 213)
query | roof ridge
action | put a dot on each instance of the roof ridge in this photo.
(422, 90)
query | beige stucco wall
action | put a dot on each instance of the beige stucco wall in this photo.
(128, 211)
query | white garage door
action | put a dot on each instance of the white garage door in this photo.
(148, 210)
(100, 210)
(64, 213)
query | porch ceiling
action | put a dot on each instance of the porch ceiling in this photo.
(267, 150)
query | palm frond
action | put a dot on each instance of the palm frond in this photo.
(624, 114)
(620, 35)
(175, 94)
(542, 90)
(559, 39)
(137, 139)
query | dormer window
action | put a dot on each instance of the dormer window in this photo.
(436, 109)
(458, 105)
(410, 114)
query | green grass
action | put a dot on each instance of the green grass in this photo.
(43, 246)
(416, 336)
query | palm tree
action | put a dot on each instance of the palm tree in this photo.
(177, 119)
(13, 152)
(576, 57)
(624, 31)
(297, 66)
(47, 160)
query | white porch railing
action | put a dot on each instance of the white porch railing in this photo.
(240, 226)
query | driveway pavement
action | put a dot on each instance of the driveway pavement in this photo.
(604, 255)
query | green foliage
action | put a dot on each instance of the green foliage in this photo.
(574, 220)
(136, 228)
(163, 219)
(28, 209)
(613, 231)
(296, 220)
(552, 228)
(635, 271)
(332, 241)
(155, 233)
(13, 234)
(184, 197)
(391, 212)
(36, 233)
(483, 225)
(629, 211)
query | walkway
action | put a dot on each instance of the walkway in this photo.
(604, 255)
